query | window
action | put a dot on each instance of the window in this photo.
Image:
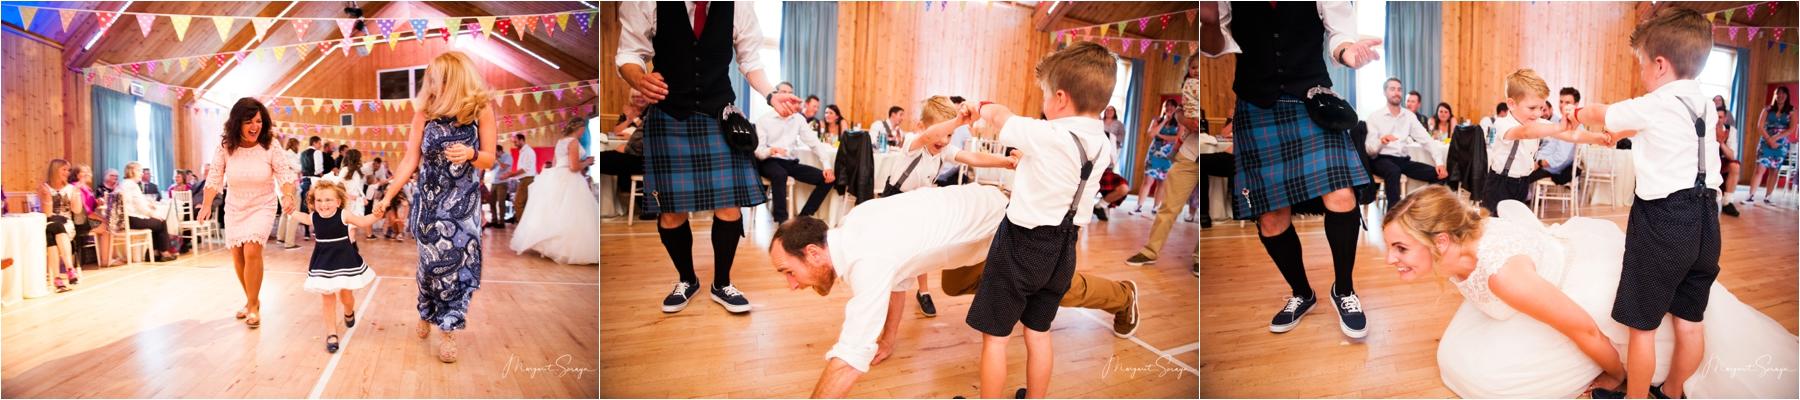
(1371, 21)
(1715, 80)
(768, 16)
(145, 143)
(398, 84)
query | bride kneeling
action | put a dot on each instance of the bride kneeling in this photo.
(1536, 320)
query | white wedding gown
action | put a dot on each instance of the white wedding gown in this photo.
(562, 222)
(1490, 350)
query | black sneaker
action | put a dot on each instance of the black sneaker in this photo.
(1730, 209)
(1350, 314)
(925, 305)
(1603, 393)
(1099, 212)
(731, 298)
(1290, 314)
(1657, 393)
(1205, 222)
(1139, 259)
(678, 298)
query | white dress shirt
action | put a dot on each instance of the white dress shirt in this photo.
(137, 205)
(1046, 177)
(1403, 125)
(1523, 162)
(1664, 149)
(527, 162)
(883, 244)
(1339, 18)
(638, 24)
(790, 134)
(880, 129)
(925, 174)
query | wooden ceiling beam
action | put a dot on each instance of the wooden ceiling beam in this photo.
(75, 56)
(563, 61)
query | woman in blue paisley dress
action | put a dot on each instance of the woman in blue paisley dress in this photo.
(451, 142)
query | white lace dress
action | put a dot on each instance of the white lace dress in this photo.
(563, 222)
(1490, 350)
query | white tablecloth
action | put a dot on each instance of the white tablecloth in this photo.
(1624, 185)
(22, 239)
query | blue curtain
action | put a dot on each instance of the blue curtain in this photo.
(162, 144)
(1415, 49)
(1133, 92)
(809, 48)
(115, 130)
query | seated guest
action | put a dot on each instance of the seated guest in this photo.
(779, 138)
(95, 218)
(1487, 123)
(889, 128)
(150, 187)
(831, 127)
(1389, 129)
(142, 212)
(1443, 123)
(1728, 161)
(626, 160)
(1554, 157)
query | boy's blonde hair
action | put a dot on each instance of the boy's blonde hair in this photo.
(324, 185)
(1526, 82)
(1680, 35)
(1085, 71)
(936, 109)
(453, 88)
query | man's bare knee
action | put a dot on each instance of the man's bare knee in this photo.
(1341, 200)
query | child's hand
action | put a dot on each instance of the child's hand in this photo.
(969, 113)
(1015, 155)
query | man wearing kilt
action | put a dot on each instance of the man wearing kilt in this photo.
(1286, 162)
(688, 165)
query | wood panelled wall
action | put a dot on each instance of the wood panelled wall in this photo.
(354, 76)
(48, 114)
(1767, 65)
(1216, 97)
(613, 90)
(893, 53)
(1579, 45)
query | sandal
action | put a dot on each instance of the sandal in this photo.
(242, 312)
(350, 320)
(254, 320)
(331, 344)
(447, 349)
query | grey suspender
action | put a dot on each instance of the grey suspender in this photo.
(1700, 145)
(1087, 167)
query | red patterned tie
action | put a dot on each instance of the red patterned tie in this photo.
(699, 18)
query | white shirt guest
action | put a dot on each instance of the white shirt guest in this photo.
(790, 135)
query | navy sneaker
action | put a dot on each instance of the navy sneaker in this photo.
(678, 299)
(925, 305)
(1657, 393)
(1290, 314)
(731, 298)
(1350, 314)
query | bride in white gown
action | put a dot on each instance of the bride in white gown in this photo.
(1547, 331)
(564, 218)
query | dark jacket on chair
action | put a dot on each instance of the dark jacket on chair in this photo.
(855, 166)
(1467, 162)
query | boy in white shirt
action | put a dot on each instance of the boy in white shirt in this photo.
(1672, 239)
(1033, 256)
(1511, 156)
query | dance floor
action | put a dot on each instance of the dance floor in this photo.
(166, 330)
(1242, 290)
(778, 349)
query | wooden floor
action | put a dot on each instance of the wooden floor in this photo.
(166, 330)
(1241, 290)
(778, 349)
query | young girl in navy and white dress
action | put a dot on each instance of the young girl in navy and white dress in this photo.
(336, 268)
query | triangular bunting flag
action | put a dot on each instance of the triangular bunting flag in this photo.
(386, 25)
(537, 97)
(26, 14)
(300, 26)
(368, 45)
(487, 25)
(1729, 13)
(451, 25)
(278, 52)
(558, 91)
(1143, 23)
(1165, 22)
(1103, 29)
(262, 26)
(184, 63)
(1752, 11)
(223, 24)
(390, 41)
(180, 23)
(518, 99)
(583, 18)
(345, 25)
(67, 16)
(418, 27)
(1711, 17)
(1753, 30)
(105, 18)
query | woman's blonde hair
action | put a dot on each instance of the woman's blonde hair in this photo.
(1433, 210)
(453, 88)
(132, 170)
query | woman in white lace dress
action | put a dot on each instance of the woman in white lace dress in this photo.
(1536, 317)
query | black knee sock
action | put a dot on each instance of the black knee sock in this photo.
(1341, 230)
(725, 236)
(1284, 248)
(679, 241)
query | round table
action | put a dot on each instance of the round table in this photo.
(22, 240)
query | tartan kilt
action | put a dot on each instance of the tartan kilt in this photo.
(688, 166)
(1286, 160)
